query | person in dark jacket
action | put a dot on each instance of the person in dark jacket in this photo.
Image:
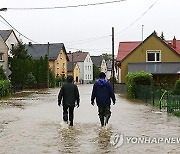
(103, 93)
(69, 95)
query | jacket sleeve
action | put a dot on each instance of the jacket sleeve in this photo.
(112, 93)
(93, 95)
(77, 95)
(60, 96)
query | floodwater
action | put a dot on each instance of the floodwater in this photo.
(31, 123)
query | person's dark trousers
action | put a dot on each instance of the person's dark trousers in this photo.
(104, 114)
(71, 114)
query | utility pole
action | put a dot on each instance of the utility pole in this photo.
(48, 66)
(113, 57)
(72, 64)
(142, 37)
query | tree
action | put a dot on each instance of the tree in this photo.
(96, 72)
(106, 56)
(30, 78)
(162, 36)
(21, 64)
(19, 51)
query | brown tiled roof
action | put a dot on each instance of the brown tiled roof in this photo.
(78, 56)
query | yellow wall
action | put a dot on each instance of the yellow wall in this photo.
(139, 55)
(59, 66)
(77, 73)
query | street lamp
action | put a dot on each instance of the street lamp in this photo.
(3, 9)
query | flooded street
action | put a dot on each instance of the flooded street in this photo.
(32, 124)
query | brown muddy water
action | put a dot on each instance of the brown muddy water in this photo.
(31, 123)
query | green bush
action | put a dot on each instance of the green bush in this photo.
(177, 87)
(30, 78)
(176, 113)
(136, 79)
(5, 88)
(2, 74)
(111, 80)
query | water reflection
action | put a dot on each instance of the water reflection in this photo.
(69, 141)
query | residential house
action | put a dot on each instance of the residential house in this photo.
(57, 56)
(74, 70)
(3, 54)
(10, 38)
(100, 63)
(153, 55)
(109, 70)
(104, 66)
(85, 64)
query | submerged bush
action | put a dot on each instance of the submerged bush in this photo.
(177, 87)
(5, 88)
(137, 79)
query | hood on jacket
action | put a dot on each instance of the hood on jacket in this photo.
(102, 82)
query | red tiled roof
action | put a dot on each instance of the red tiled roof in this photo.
(177, 49)
(125, 48)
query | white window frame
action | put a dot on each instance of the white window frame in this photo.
(153, 51)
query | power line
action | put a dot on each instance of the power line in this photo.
(88, 40)
(81, 5)
(94, 39)
(4, 23)
(69, 6)
(138, 17)
(91, 50)
(16, 29)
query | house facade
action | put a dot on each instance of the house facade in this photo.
(153, 55)
(3, 54)
(74, 70)
(85, 64)
(57, 56)
(104, 66)
(10, 38)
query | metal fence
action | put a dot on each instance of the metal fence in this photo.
(155, 95)
(173, 103)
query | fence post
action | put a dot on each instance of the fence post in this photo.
(153, 94)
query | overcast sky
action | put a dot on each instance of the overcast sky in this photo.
(75, 27)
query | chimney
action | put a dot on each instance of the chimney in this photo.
(30, 43)
(174, 42)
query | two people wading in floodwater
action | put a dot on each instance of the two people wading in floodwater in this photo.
(102, 92)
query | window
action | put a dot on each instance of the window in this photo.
(57, 65)
(153, 56)
(61, 56)
(1, 56)
(63, 66)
